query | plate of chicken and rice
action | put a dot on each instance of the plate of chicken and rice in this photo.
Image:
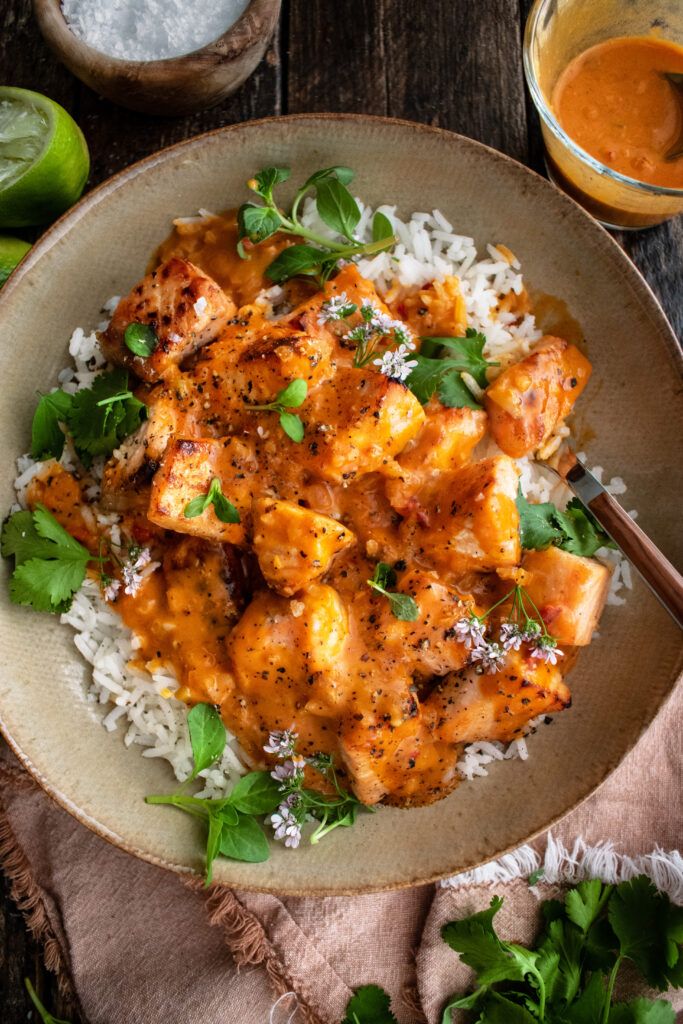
(295, 596)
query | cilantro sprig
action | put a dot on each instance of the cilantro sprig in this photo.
(402, 606)
(224, 509)
(50, 565)
(444, 374)
(98, 418)
(575, 530)
(569, 976)
(336, 208)
(290, 397)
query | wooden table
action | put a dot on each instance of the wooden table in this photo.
(452, 63)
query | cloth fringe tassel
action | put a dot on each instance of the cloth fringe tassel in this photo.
(249, 945)
(564, 866)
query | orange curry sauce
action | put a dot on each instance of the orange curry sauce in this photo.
(616, 102)
(271, 619)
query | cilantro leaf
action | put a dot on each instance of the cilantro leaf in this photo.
(475, 939)
(470, 354)
(584, 903)
(642, 1011)
(50, 564)
(47, 437)
(536, 523)
(500, 1010)
(369, 1005)
(588, 1008)
(454, 393)
(103, 415)
(648, 928)
(574, 530)
(445, 374)
(424, 379)
(207, 736)
(567, 941)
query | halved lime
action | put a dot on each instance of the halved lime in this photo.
(12, 252)
(44, 161)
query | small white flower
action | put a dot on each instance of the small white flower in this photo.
(286, 825)
(132, 576)
(545, 649)
(200, 305)
(111, 590)
(336, 308)
(511, 636)
(488, 657)
(531, 631)
(470, 631)
(143, 559)
(395, 365)
(290, 771)
(175, 338)
(281, 742)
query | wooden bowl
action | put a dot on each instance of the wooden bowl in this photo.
(630, 417)
(176, 86)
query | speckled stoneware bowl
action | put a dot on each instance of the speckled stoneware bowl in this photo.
(632, 409)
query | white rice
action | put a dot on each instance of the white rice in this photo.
(142, 707)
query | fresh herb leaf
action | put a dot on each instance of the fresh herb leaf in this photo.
(455, 394)
(536, 523)
(47, 437)
(102, 416)
(536, 876)
(295, 260)
(480, 948)
(369, 1005)
(650, 931)
(207, 736)
(445, 374)
(292, 426)
(140, 339)
(500, 1010)
(584, 903)
(588, 1007)
(244, 841)
(337, 207)
(256, 793)
(343, 174)
(381, 227)
(257, 222)
(224, 509)
(469, 351)
(292, 396)
(50, 564)
(265, 181)
(641, 1011)
(574, 530)
(402, 606)
(45, 1015)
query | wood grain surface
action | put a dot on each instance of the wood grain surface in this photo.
(452, 63)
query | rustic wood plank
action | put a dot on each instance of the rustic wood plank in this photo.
(335, 56)
(458, 66)
(658, 255)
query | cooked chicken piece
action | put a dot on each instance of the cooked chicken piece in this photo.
(427, 646)
(184, 307)
(295, 545)
(472, 522)
(446, 441)
(357, 423)
(437, 310)
(531, 398)
(569, 592)
(278, 357)
(469, 706)
(186, 473)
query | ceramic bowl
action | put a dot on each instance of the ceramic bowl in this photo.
(632, 411)
(176, 86)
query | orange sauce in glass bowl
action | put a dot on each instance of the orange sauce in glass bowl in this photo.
(622, 102)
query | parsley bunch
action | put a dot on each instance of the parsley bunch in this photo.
(98, 418)
(444, 374)
(50, 565)
(336, 208)
(402, 606)
(574, 530)
(569, 977)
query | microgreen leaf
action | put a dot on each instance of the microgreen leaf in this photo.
(384, 575)
(292, 396)
(343, 174)
(369, 1005)
(256, 793)
(244, 841)
(257, 222)
(207, 736)
(381, 227)
(265, 181)
(292, 426)
(196, 507)
(140, 339)
(47, 437)
(402, 606)
(224, 509)
(296, 259)
(337, 207)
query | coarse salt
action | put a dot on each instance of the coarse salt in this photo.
(150, 29)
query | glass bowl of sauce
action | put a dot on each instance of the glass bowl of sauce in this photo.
(607, 80)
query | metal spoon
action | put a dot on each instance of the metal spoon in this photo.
(665, 582)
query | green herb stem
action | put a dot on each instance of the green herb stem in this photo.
(610, 989)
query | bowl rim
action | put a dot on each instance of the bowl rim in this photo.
(60, 34)
(69, 219)
(551, 122)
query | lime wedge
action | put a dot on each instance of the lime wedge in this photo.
(12, 252)
(44, 161)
